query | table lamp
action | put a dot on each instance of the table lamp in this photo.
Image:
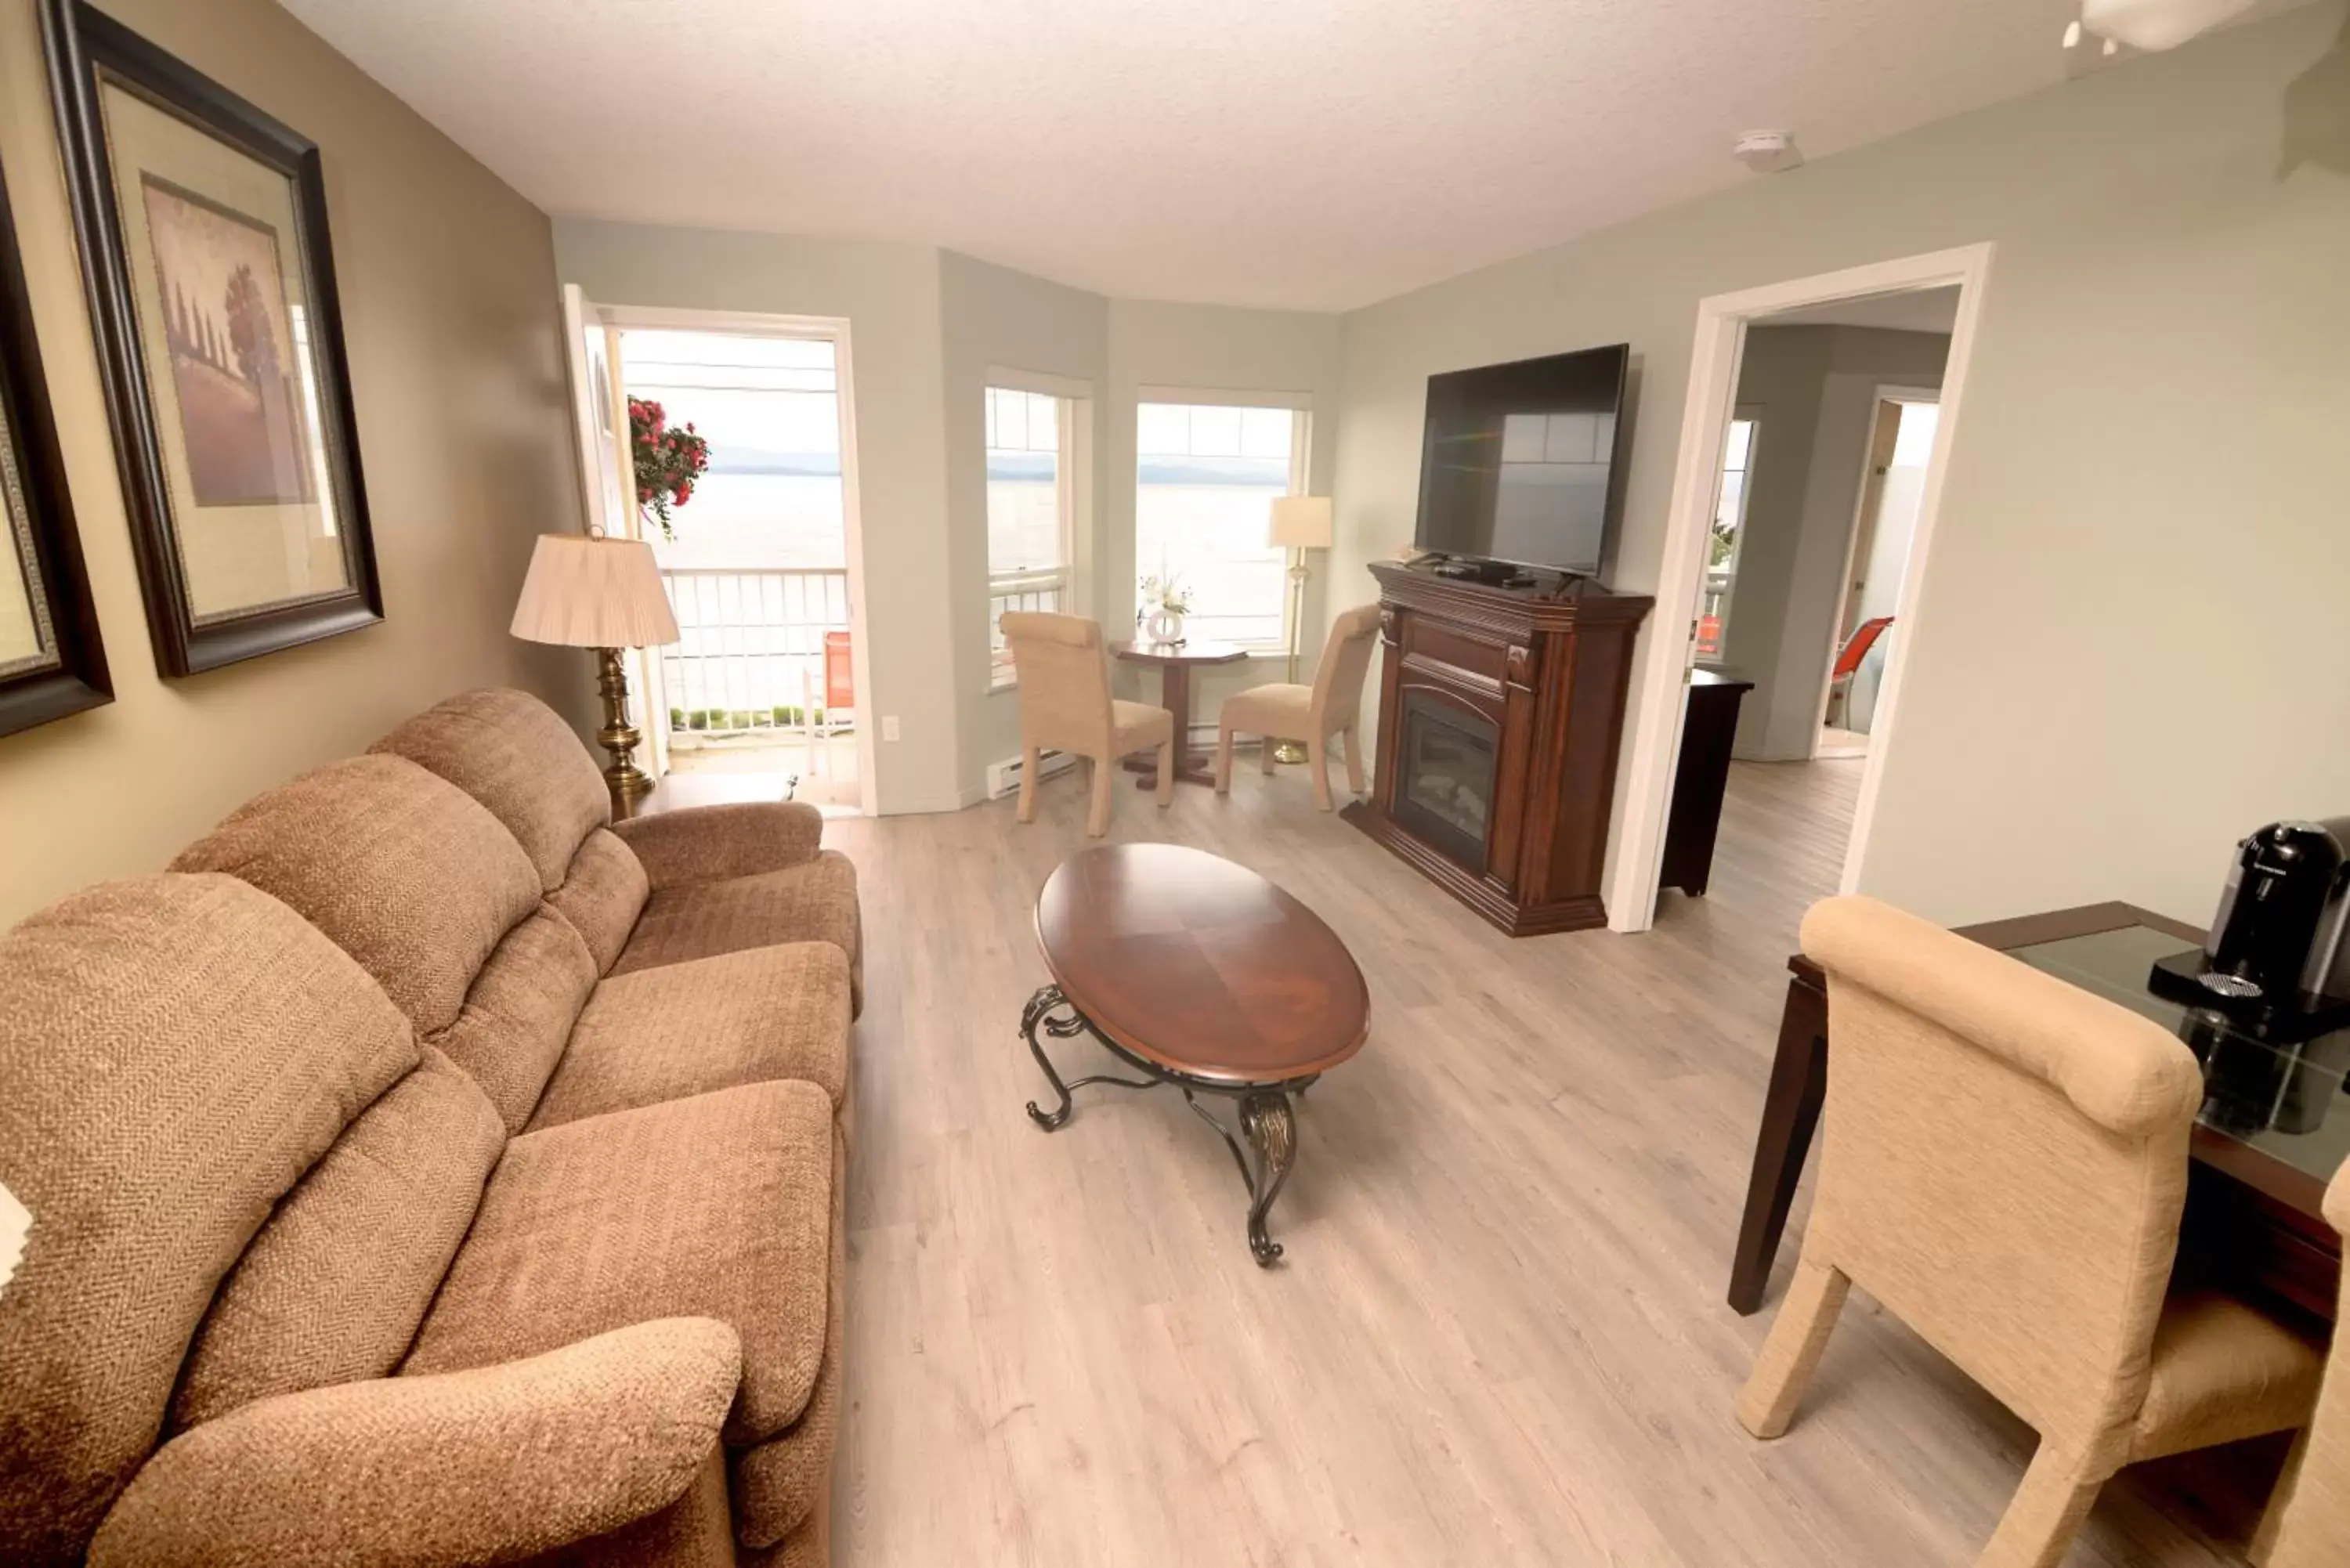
(585, 590)
(1300, 522)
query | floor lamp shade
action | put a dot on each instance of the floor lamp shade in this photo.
(1302, 523)
(588, 592)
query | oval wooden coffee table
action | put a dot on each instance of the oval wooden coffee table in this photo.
(1200, 973)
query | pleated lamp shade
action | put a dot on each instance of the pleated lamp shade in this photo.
(1301, 522)
(587, 592)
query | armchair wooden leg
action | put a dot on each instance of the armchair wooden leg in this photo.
(1028, 784)
(2047, 1511)
(1353, 738)
(1097, 815)
(1792, 1353)
(1317, 762)
(1167, 773)
(1224, 759)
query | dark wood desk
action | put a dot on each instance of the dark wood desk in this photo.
(1175, 660)
(2274, 1126)
(1707, 730)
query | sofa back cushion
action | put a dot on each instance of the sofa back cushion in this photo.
(518, 1016)
(516, 756)
(603, 894)
(333, 1287)
(175, 1053)
(405, 870)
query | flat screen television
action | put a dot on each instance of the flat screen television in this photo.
(1518, 464)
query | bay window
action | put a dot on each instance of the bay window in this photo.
(1205, 480)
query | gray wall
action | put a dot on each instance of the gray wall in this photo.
(1813, 391)
(2143, 517)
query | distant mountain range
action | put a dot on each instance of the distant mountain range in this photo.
(1252, 471)
(736, 458)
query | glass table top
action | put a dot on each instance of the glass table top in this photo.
(2283, 1100)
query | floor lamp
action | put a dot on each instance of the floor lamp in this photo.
(585, 590)
(1300, 522)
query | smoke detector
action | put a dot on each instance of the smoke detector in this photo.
(1768, 151)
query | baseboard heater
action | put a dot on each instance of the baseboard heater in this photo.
(1004, 777)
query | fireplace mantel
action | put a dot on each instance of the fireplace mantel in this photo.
(1540, 675)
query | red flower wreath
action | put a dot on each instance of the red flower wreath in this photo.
(667, 461)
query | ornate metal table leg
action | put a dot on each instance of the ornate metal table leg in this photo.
(1273, 1132)
(1031, 1016)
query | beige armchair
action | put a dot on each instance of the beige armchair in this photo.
(1064, 704)
(2308, 1522)
(2002, 1168)
(1333, 705)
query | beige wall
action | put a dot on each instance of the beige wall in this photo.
(1208, 348)
(889, 294)
(1810, 390)
(2128, 650)
(449, 307)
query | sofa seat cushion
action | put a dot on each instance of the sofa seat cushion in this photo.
(684, 1029)
(812, 902)
(333, 1287)
(781, 1483)
(718, 1206)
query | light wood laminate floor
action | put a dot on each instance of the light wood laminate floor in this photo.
(1498, 1334)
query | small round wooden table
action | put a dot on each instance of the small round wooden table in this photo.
(1175, 660)
(1200, 973)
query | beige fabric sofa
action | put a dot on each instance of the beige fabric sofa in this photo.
(428, 1171)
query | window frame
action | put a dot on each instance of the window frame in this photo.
(1299, 406)
(1750, 417)
(1073, 413)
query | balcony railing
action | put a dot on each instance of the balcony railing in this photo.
(1023, 591)
(750, 649)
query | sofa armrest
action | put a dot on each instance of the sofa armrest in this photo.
(707, 843)
(480, 1466)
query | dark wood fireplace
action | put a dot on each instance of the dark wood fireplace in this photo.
(1500, 714)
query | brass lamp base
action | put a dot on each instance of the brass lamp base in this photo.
(628, 782)
(1289, 752)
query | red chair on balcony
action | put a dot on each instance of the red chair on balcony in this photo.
(839, 683)
(1856, 648)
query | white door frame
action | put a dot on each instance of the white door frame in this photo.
(835, 330)
(1660, 703)
(1882, 393)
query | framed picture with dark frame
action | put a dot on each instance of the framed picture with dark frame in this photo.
(202, 224)
(52, 662)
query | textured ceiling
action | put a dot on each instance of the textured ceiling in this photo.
(1311, 153)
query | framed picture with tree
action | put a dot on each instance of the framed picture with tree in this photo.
(202, 224)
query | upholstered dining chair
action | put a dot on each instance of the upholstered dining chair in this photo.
(1333, 705)
(1066, 705)
(2308, 1519)
(2002, 1166)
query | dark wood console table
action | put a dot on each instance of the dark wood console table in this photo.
(1708, 733)
(1500, 714)
(2274, 1127)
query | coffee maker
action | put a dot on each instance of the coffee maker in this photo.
(2277, 952)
